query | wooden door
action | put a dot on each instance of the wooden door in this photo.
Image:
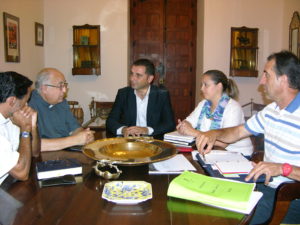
(164, 31)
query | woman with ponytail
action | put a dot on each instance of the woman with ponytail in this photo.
(218, 109)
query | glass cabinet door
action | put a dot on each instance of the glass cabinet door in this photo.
(86, 50)
(243, 56)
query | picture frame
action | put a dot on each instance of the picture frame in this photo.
(39, 34)
(11, 26)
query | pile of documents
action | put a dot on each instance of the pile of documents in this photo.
(227, 194)
(228, 162)
(183, 141)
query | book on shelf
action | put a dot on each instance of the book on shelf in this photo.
(58, 168)
(221, 193)
(175, 165)
(175, 136)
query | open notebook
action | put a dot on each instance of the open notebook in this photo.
(235, 166)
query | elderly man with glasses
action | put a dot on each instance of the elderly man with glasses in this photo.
(57, 126)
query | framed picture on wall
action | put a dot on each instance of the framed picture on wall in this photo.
(11, 26)
(39, 34)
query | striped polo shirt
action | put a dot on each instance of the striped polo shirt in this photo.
(281, 128)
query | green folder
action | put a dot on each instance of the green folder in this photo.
(213, 191)
(179, 206)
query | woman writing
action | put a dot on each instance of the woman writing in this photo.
(219, 109)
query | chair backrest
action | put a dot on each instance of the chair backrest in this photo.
(254, 108)
(100, 109)
(77, 111)
(285, 193)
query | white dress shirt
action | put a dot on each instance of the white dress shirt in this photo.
(141, 112)
(9, 139)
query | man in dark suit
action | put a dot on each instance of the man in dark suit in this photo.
(142, 108)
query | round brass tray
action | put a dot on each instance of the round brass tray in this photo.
(129, 151)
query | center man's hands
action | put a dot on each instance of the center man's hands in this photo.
(134, 131)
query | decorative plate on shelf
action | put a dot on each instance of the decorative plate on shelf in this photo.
(130, 151)
(127, 192)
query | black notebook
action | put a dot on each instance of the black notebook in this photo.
(75, 148)
(57, 168)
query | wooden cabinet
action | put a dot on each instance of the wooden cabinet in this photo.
(294, 34)
(86, 50)
(165, 32)
(243, 56)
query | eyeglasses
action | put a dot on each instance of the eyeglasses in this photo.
(60, 85)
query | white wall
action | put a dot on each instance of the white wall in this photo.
(112, 16)
(215, 18)
(272, 17)
(32, 56)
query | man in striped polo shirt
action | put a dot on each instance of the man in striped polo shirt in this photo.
(280, 124)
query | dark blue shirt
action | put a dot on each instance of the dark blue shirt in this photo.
(53, 122)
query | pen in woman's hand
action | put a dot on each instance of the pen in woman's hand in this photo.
(203, 154)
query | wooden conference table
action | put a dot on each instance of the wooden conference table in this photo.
(82, 203)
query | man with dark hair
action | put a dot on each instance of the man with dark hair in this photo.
(18, 130)
(142, 109)
(58, 127)
(280, 124)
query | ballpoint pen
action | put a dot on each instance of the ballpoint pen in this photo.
(203, 155)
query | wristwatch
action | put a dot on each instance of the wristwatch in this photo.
(286, 169)
(25, 134)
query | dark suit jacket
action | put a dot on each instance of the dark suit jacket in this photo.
(159, 111)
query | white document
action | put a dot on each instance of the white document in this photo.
(254, 198)
(216, 156)
(194, 153)
(234, 167)
(179, 137)
(175, 165)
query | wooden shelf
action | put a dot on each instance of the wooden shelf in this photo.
(86, 50)
(243, 73)
(243, 54)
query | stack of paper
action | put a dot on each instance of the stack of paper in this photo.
(228, 162)
(221, 193)
(235, 167)
(175, 165)
(184, 141)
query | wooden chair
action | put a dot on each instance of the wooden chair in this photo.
(99, 110)
(77, 111)
(285, 193)
(254, 107)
